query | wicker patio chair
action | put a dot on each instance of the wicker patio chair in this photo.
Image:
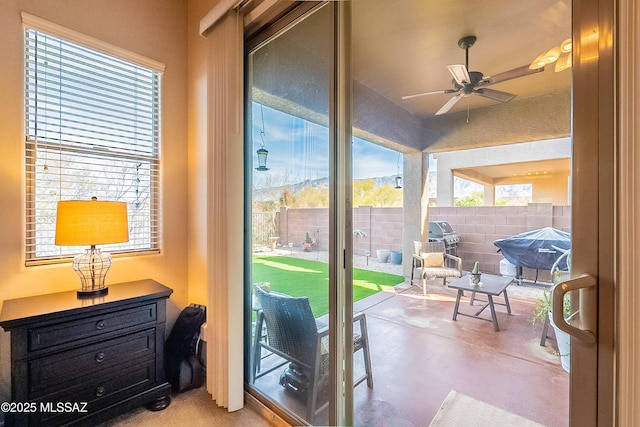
(295, 335)
(431, 260)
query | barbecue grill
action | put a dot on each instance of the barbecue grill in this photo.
(441, 231)
(537, 249)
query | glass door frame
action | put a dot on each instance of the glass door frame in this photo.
(340, 410)
(592, 396)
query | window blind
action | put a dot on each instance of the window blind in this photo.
(92, 124)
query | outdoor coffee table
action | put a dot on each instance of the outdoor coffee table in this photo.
(490, 286)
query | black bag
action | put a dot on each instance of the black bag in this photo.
(183, 368)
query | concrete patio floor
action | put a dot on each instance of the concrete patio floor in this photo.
(419, 354)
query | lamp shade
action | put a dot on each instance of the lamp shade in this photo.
(91, 222)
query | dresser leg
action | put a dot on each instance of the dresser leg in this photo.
(159, 404)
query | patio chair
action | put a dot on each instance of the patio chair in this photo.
(295, 335)
(431, 260)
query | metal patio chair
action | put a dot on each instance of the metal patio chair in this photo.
(295, 335)
(431, 260)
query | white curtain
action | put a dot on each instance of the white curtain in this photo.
(628, 232)
(225, 205)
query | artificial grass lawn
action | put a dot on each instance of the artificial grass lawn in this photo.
(300, 277)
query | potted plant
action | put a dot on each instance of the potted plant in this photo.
(541, 312)
(474, 276)
(383, 255)
(396, 257)
(308, 243)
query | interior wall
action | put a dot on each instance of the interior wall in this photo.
(197, 152)
(156, 29)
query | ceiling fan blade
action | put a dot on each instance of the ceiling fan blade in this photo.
(423, 94)
(450, 103)
(460, 74)
(508, 75)
(496, 95)
(435, 92)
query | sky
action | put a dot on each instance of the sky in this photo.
(299, 150)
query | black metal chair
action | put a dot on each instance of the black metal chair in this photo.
(295, 335)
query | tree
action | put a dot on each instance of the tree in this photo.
(367, 193)
(475, 199)
(312, 197)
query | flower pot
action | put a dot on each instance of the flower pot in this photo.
(396, 257)
(383, 255)
(564, 344)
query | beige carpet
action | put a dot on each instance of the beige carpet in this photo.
(459, 410)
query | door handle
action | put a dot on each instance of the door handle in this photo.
(559, 291)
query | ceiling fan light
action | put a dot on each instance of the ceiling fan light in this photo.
(539, 62)
(566, 46)
(552, 55)
(563, 63)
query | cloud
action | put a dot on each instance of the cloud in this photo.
(299, 149)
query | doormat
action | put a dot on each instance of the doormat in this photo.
(460, 410)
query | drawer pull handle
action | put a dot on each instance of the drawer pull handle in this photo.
(100, 357)
(100, 391)
(101, 325)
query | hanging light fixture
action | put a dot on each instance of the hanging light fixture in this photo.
(563, 63)
(262, 152)
(561, 55)
(398, 176)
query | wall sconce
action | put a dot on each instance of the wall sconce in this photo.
(262, 159)
(91, 222)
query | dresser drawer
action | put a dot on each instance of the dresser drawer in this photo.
(47, 336)
(83, 361)
(98, 392)
(69, 366)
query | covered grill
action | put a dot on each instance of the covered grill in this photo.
(441, 231)
(537, 249)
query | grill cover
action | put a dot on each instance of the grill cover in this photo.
(534, 249)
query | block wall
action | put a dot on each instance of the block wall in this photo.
(477, 227)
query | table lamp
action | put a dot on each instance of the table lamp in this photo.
(91, 222)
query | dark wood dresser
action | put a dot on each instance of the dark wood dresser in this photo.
(83, 361)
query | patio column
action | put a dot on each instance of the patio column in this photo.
(415, 203)
(489, 194)
(444, 193)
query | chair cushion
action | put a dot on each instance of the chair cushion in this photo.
(433, 259)
(437, 272)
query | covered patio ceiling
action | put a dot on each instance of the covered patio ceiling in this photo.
(403, 47)
(515, 172)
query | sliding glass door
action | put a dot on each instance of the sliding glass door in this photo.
(347, 102)
(289, 75)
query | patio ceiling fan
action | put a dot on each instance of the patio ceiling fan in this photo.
(467, 82)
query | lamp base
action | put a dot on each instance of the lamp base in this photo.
(92, 267)
(93, 293)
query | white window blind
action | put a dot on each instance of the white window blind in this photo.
(92, 125)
